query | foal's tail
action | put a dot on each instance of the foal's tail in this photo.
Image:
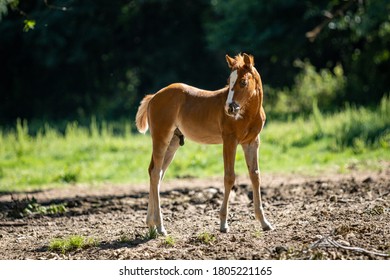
(141, 119)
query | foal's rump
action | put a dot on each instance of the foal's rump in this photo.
(157, 106)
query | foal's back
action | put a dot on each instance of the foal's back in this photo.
(196, 113)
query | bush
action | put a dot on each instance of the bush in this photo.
(357, 126)
(323, 88)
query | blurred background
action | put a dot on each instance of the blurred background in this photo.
(74, 170)
(68, 60)
(73, 72)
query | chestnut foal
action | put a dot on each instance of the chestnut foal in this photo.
(232, 115)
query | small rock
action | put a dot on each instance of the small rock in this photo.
(324, 185)
(280, 249)
(368, 180)
(344, 243)
(212, 190)
(318, 237)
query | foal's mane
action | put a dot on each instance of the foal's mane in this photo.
(240, 63)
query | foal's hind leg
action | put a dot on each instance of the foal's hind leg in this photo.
(251, 151)
(161, 158)
(171, 151)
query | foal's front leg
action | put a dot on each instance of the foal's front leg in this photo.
(251, 154)
(229, 156)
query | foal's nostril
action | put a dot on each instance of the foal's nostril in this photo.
(233, 108)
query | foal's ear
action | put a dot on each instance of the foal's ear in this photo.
(248, 60)
(230, 61)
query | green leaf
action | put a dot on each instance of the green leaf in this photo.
(28, 25)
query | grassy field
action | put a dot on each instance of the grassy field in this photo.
(103, 153)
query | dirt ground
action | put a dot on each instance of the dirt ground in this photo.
(326, 217)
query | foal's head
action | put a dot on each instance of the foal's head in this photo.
(244, 83)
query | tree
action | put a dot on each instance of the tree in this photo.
(354, 34)
(101, 57)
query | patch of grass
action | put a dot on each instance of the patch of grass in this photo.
(360, 127)
(55, 209)
(107, 152)
(355, 137)
(79, 155)
(376, 210)
(72, 243)
(30, 206)
(257, 233)
(206, 238)
(169, 241)
(151, 234)
(69, 175)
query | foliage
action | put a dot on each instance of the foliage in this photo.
(348, 128)
(4, 4)
(72, 243)
(100, 58)
(324, 88)
(354, 35)
(97, 57)
(28, 25)
(359, 127)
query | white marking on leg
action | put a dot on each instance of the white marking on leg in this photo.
(232, 81)
(161, 176)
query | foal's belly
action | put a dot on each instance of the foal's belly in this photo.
(201, 135)
(204, 133)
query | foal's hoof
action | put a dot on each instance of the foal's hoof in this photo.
(224, 229)
(224, 226)
(162, 231)
(155, 231)
(268, 227)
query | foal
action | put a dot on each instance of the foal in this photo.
(229, 116)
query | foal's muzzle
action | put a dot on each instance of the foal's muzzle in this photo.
(233, 108)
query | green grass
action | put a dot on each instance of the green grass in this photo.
(72, 243)
(96, 155)
(30, 206)
(206, 238)
(169, 241)
(151, 234)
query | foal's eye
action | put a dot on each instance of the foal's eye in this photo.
(243, 83)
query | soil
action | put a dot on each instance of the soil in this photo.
(327, 217)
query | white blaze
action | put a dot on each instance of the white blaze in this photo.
(232, 81)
